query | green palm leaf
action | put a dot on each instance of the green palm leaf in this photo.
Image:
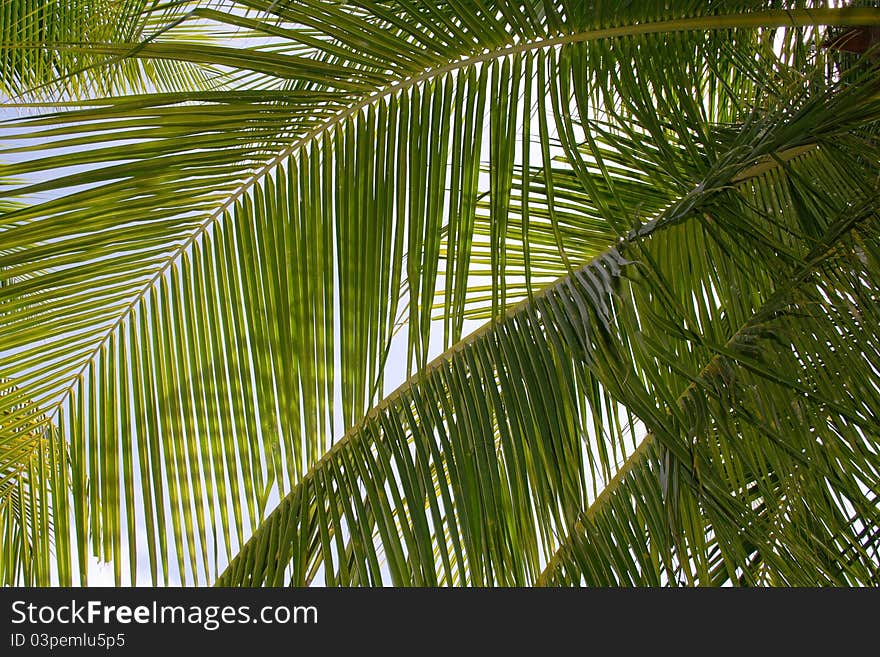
(51, 49)
(683, 510)
(206, 286)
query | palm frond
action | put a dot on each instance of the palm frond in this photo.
(453, 486)
(51, 49)
(33, 496)
(212, 287)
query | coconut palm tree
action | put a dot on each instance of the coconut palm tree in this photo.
(663, 217)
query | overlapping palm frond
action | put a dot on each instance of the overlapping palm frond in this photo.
(33, 495)
(210, 293)
(747, 432)
(51, 49)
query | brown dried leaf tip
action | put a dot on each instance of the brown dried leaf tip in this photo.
(855, 40)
